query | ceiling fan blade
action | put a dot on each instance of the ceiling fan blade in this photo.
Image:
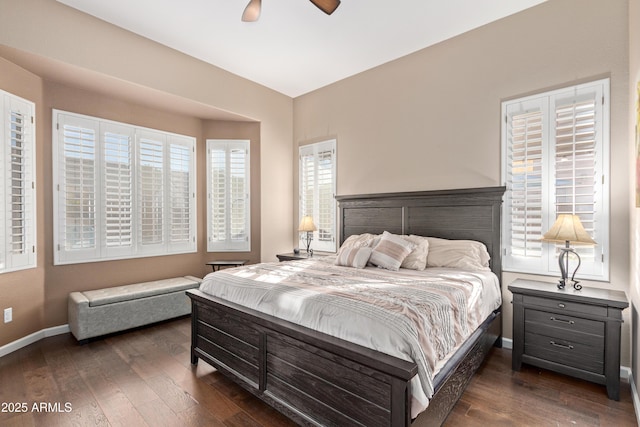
(252, 11)
(327, 6)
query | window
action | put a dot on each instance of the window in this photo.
(228, 188)
(555, 149)
(121, 191)
(17, 184)
(317, 193)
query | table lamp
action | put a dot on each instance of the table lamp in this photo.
(568, 229)
(307, 225)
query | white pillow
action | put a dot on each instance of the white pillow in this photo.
(353, 257)
(464, 254)
(390, 251)
(359, 241)
(417, 259)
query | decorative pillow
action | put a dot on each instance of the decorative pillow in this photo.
(417, 259)
(464, 254)
(359, 241)
(353, 257)
(391, 251)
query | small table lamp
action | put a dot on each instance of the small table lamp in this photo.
(568, 229)
(307, 225)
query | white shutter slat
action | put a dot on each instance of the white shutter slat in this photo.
(575, 159)
(79, 187)
(17, 215)
(151, 194)
(228, 182)
(180, 206)
(525, 181)
(118, 183)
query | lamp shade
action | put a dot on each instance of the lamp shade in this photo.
(306, 224)
(252, 11)
(568, 228)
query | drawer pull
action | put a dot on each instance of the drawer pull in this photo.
(569, 322)
(565, 346)
(561, 305)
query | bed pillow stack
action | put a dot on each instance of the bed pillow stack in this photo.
(392, 252)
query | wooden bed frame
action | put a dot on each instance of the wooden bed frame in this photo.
(317, 379)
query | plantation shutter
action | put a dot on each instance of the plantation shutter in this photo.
(17, 192)
(118, 189)
(524, 171)
(151, 194)
(182, 197)
(555, 150)
(317, 192)
(123, 191)
(228, 210)
(77, 188)
(578, 168)
(217, 196)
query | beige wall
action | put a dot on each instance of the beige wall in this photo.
(82, 64)
(634, 153)
(431, 120)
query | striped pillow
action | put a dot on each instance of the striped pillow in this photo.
(391, 251)
(353, 257)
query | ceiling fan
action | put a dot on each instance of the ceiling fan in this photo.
(252, 11)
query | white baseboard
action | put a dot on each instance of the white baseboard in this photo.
(634, 396)
(34, 337)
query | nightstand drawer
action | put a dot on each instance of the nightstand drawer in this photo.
(565, 352)
(571, 324)
(561, 305)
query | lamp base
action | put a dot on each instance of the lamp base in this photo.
(563, 262)
(562, 283)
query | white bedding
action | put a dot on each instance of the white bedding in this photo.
(421, 316)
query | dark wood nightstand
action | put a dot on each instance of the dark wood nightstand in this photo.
(217, 265)
(575, 333)
(302, 255)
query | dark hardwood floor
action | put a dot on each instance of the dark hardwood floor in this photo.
(144, 377)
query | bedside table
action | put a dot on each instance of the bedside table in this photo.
(302, 255)
(576, 333)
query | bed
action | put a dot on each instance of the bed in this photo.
(319, 379)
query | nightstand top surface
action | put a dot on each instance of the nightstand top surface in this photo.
(608, 297)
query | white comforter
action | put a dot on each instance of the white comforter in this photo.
(420, 316)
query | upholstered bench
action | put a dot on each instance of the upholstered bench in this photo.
(104, 311)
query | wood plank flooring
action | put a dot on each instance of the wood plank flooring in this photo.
(144, 377)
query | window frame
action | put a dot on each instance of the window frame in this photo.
(229, 244)
(314, 149)
(549, 103)
(11, 104)
(100, 249)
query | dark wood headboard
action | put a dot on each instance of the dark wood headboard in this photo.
(469, 213)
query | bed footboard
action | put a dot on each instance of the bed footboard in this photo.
(313, 378)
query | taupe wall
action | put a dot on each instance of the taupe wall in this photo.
(431, 120)
(634, 152)
(71, 56)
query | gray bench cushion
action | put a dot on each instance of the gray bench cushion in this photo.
(115, 294)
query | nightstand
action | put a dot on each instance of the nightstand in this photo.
(576, 333)
(302, 255)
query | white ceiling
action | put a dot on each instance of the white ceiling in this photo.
(294, 47)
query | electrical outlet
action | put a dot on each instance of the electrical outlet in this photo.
(8, 315)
